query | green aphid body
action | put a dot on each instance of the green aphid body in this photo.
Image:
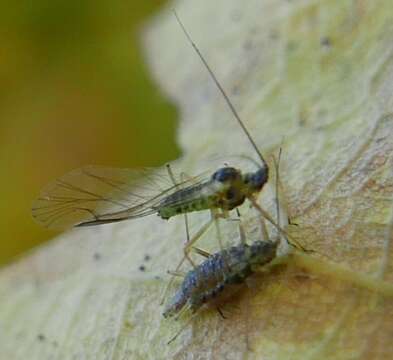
(226, 189)
(80, 198)
(197, 198)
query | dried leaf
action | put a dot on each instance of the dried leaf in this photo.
(315, 76)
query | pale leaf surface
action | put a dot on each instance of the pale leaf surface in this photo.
(316, 76)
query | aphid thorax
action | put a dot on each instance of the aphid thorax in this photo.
(226, 189)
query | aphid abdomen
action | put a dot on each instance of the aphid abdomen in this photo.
(177, 303)
(209, 195)
(220, 270)
(196, 283)
(220, 275)
(168, 211)
(196, 198)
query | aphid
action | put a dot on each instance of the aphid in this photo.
(97, 195)
(225, 272)
(227, 268)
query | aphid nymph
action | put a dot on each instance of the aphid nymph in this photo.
(224, 272)
(225, 268)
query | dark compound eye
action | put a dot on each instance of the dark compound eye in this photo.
(256, 180)
(260, 177)
(225, 174)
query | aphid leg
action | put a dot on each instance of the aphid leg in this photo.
(221, 313)
(216, 217)
(185, 310)
(187, 254)
(281, 206)
(242, 233)
(172, 177)
(266, 216)
(198, 234)
(216, 220)
(177, 273)
(182, 176)
(201, 252)
(278, 199)
(182, 328)
(264, 233)
(170, 282)
(186, 250)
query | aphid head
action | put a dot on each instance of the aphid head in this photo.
(261, 252)
(226, 175)
(255, 181)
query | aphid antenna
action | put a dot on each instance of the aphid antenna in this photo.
(223, 92)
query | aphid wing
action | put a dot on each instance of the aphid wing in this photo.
(94, 195)
(91, 192)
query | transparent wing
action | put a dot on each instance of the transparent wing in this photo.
(95, 195)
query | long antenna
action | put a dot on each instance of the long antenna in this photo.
(234, 112)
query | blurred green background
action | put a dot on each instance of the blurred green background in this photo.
(74, 90)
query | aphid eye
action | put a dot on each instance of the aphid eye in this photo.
(256, 180)
(260, 177)
(225, 174)
(231, 194)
